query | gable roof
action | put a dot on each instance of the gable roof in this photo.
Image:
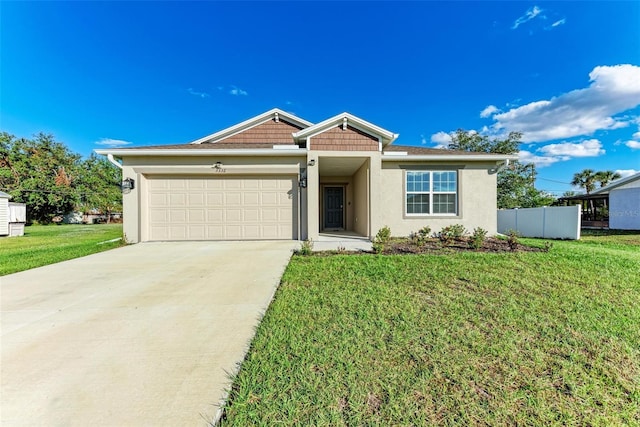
(617, 183)
(346, 119)
(274, 114)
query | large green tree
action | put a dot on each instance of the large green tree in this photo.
(605, 177)
(585, 179)
(516, 183)
(40, 172)
(99, 186)
(52, 180)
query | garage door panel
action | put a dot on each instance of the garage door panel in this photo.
(220, 208)
(197, 232)
(232, 199)
(215, 199)
(196, 199)
(215, 216)
(251, 198)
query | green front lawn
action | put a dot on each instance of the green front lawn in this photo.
(43, 245)
(461, 339)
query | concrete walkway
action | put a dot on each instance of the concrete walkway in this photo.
(143, 335)
(349, 241)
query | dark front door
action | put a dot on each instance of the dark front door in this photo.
(333, 207)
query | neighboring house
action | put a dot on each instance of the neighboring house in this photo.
(624, 202)
(277, 176)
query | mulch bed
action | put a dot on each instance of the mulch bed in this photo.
(405, 246)
(435, 246)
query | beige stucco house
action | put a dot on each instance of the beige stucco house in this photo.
(277, 176)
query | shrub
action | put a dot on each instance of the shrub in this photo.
(423, 235)
(513, 239)
(381, 239)
(306, 247)
(451, 233)
(478, 237)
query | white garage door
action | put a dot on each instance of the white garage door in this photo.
(221, 208)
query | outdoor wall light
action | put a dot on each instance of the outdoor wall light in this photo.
(312, 162)
(218, 165)
(128, 184)
(303, 183)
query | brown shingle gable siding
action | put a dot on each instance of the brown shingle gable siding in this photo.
(270, 132)
(337, 139)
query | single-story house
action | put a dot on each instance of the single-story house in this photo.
(624, 202)
(277, 176)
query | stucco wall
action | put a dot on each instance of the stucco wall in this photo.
(624, 208)
(361, 200)
(477, 196)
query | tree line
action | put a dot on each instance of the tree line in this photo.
(52, 180)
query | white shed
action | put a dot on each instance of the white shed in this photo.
(4, 213)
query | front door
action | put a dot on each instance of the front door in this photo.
(334, 208)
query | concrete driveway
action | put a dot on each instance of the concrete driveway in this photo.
(144, 335)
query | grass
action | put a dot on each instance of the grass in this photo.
(462, 339)
(43, 245)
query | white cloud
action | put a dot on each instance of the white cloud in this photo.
(613, 90)
(196, 93)
(539, 161)
(528, 16)
(109, 142)
(558, 23)
(236, 91)
(588, 148)
(636, 135)
(627, 172)
(634, 145)
(488, 111)
(441, 139)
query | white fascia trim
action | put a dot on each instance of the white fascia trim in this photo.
(617, 183)
(352, 120)
(201, 152)
(396, 153)
(286, 147)
(447, 157)
(252, 122)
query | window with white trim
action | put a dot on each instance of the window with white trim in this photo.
(431, 192)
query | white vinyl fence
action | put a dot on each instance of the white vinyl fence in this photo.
(557, 222)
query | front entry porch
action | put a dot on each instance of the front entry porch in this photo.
(344, 196)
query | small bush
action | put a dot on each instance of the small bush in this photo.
(451, 233)
(306, 247)
(420, 238)
(513, 240)
(341, 249)
(477, 237)
(381, 239)
(547, 246)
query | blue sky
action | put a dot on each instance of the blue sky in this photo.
(96, 74)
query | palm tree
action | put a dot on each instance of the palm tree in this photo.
(605, 177)
(585, 179)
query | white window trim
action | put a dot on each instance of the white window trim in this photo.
(430, 193)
